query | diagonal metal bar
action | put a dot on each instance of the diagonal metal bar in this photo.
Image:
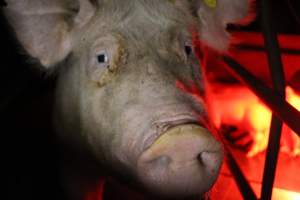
(240, 179)
(277, 74)
(275, 102)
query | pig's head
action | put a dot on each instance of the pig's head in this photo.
(120, 63)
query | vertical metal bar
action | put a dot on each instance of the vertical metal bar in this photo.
(276, 70)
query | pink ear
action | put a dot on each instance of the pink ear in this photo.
(215, 18)
(43, 27)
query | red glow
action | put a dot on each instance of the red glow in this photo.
(97, 192)
(288, 195)
(238, 106)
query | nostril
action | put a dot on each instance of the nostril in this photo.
(209, 159)
(161, 161)
(199, 158)
(184, 160)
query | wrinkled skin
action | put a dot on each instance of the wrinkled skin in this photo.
(117, 94)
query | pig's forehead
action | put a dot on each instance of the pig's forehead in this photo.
(140, 17)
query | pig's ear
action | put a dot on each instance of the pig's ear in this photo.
(215, 15)
(44, 27)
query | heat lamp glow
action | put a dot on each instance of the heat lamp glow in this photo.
(238, 106)
(282, 194)
(96, 193)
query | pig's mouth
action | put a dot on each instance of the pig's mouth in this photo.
(163, 125)
(181, 159)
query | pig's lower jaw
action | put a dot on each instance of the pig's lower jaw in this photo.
(184, 161)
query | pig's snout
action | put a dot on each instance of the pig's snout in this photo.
(184, 161)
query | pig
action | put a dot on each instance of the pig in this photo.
(117, 102)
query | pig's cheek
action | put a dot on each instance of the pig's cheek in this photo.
(105, 77)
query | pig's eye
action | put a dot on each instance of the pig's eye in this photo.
(188, 49)
(102, 58)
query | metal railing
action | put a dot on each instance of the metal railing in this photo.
(274, 98)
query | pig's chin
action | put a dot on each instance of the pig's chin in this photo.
(183, 161)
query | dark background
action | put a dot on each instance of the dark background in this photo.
(29, 149)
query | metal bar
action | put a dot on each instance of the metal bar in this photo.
(240, 179)
(271, 158)
(285, 51)
(273, 49)
(275, 102)
(277, 74)
(286, 41)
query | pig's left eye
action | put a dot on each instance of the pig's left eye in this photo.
(188, 49)
(102, 58)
